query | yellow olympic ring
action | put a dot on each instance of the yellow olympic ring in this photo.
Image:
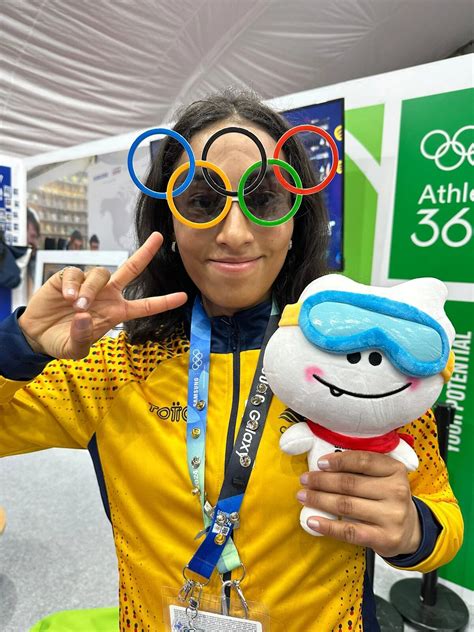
(172, 205)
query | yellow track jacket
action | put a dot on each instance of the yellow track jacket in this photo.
(127, 405)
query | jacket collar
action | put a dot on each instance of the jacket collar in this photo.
(242, 331)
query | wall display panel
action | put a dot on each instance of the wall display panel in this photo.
(330, 117)
(13, 200)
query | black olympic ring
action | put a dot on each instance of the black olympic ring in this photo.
(261, 173)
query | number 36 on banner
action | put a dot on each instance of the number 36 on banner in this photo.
(463, 231)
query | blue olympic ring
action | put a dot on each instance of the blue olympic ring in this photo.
(184, 143)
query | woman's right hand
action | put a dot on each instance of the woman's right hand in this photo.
(67, 315)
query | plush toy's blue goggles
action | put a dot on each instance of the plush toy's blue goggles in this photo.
(346, 322)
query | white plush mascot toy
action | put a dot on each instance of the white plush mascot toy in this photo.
(357, 362)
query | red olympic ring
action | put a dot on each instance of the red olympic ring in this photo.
(335, 159)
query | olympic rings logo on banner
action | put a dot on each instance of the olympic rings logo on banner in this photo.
(449, 143)
(242, 189)
(196, 359)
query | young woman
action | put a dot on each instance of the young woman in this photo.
(125, 399)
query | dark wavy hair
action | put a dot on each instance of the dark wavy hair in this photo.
(166, 273)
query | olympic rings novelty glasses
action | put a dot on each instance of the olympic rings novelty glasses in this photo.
(202, 201)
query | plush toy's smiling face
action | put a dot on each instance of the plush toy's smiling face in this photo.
(374, 358)
(360, 394)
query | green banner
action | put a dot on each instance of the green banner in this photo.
(459, 393)
(432, 220)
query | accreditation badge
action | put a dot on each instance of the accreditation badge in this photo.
(210, 622)
(213, 614)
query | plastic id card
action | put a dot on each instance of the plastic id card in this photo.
(211, 622)
(210, 617)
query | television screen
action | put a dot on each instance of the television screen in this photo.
(329, 116)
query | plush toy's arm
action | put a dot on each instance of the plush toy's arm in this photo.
(406, 455)
(298, 439)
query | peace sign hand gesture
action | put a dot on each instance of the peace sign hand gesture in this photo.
(73, 310)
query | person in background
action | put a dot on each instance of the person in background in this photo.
(76, 241)
(33, 231)
(33, 234)
(94, 243)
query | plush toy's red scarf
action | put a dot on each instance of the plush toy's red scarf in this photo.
(382, 443)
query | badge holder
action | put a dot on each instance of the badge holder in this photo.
(192, 609)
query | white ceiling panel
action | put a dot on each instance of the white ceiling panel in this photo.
(76, 71)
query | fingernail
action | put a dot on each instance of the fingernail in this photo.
(70, 291)
(304, 478)
(313, 524)
(83, 323)
(301, 495)
(323, 464)
(81, 303)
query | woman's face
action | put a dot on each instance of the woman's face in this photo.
(234, 263)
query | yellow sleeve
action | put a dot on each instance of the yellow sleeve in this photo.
(431, 485)
(62, 406)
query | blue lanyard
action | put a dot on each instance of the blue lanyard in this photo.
(198, 389)
(218, 547)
